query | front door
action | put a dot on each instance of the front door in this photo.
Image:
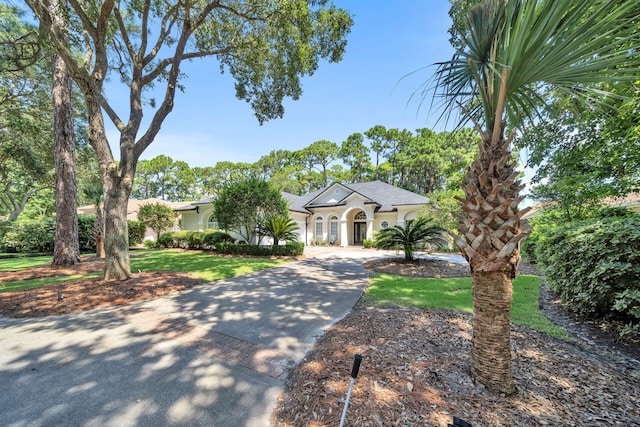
(359, 232)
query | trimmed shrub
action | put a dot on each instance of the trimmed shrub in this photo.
(188, 239)
(367, 243)
(290, 249)
(595, 266)
(137, 231)
(151, 244)
(211, 237)
(86, 237)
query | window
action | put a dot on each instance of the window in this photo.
(333, 228)
(212, 224)
(318, 233)
(384, 224)
(360, 216)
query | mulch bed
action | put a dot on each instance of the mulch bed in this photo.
(85, 294)
(415, 370)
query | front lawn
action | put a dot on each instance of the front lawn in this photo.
(203, 265)
(388, 290)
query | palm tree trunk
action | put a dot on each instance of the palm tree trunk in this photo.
(490, 347)
(490, 241)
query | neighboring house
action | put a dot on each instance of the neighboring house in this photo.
(133, 205)
(340, 214)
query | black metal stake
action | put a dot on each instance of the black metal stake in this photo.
(354, 374)
(59, 295)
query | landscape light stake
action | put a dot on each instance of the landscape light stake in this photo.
(354, 374)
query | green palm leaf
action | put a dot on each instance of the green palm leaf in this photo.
(542, 45)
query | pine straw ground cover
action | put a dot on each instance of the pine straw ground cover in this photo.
(415, 372)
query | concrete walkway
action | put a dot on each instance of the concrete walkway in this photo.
(216, 355)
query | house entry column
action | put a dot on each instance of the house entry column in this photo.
(344, 233)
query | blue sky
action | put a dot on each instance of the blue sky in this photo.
(389, 40)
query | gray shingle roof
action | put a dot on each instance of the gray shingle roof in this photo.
(389, 197)
(386, 195)
(194, 205)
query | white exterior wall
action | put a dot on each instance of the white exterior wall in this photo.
(190, 220)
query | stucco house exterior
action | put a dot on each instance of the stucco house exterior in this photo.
(339, 214)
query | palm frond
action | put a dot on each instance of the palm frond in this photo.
(560, 45)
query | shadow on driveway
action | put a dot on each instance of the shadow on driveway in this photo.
(216, 355)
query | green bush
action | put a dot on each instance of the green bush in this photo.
(37, 235)
(137, 230)
(151, 244)
(595, 266)
(211, 237)
(367, 243)
(189, 239)
(290, 249)
(86, 237)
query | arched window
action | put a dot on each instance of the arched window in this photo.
(319, 231)
(212, 224)
(333, 228)
(360, 216)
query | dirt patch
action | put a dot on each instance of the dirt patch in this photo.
(84, 294)
(416, 369)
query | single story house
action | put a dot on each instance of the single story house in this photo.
(339, 214)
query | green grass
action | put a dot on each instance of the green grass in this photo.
(10, 264)
(387, 290)
(34, 283)
(203, 265)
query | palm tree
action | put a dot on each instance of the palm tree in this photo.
(418, 232)
(513, 52)
(279, 227)
(95, 194)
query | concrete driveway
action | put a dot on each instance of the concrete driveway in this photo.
(216, 355)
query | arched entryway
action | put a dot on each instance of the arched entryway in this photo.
(359, 228)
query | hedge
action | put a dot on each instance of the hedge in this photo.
(37, 235)
(594, 265)
(198, 240)
(137, 230)
(289, 249)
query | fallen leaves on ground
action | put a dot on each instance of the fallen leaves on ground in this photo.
(85, 294)
(415, 372)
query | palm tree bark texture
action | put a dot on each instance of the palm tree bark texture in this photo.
(491, 230)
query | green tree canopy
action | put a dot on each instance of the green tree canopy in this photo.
(241, 207)
(157, 216)
(266, 47)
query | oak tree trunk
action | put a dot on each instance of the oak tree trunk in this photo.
(66, 246)
(116, 239)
